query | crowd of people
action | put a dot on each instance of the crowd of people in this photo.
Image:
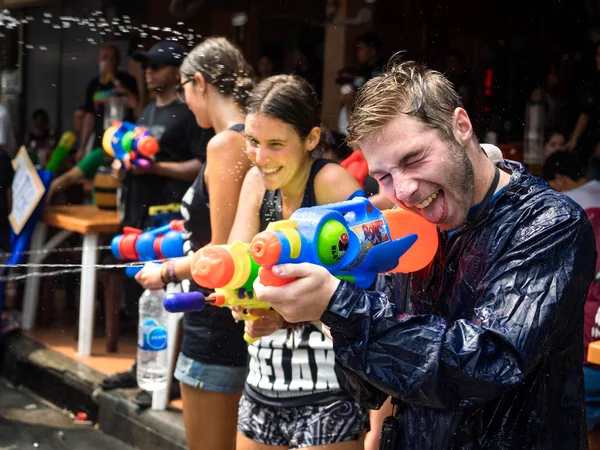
(482, 348)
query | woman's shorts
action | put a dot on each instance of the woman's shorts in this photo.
(302, 426)
(210, 377)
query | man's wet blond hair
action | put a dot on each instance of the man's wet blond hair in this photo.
(406, 87)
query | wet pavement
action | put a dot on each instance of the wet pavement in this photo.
(27, 422)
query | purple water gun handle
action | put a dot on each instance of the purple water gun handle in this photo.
(184, 302)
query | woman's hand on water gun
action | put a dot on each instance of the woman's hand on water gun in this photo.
(150, 277)
(267, 321)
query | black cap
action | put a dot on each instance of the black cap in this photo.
(165, 52)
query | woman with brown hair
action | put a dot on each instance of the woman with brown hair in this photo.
(215, 83)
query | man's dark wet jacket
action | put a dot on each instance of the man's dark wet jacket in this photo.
(484, 349)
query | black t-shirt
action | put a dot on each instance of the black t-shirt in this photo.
(180, 139)
(97, 93)
(210, 336)
(6, 179)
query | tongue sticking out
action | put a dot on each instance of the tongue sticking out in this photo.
(437, 210)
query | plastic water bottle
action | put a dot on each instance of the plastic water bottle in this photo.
(152, 370)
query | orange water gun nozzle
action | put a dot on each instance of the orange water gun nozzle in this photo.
(212, 267)
(266, 249)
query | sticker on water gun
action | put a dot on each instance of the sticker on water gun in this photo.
(369, 235)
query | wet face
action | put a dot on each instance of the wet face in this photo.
(420, 171)
(277, 150)
(160, 77)
(195, 98)
(556, 143)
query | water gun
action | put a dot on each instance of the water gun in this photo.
(230, 271)
(353, 240)
(65, 144)
(156, 243)
(130, 144)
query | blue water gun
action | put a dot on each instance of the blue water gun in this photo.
(157, 243)
(353, 240)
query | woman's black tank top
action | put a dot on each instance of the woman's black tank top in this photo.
(210, 336)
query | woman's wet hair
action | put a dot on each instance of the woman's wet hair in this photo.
(290, 99)
(222, 64)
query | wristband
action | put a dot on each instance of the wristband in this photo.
(171, 272)
(164, 276)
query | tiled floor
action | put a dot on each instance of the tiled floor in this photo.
(63, 340)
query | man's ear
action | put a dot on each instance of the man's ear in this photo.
(462, 127)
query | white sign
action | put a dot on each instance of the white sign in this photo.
(27, 190)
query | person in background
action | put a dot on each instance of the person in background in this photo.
(6, 179)
(78, 120)
(594, 164)
(555, 142)
(460, 77)
(8, 143)
(84, 169)
(110, 81)
(550, 96)
(215, 83)
(180, 158)
(350, 79)
(41, 141)
(563, 172)
(590, 111)
(265, 68)
(304, 65)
